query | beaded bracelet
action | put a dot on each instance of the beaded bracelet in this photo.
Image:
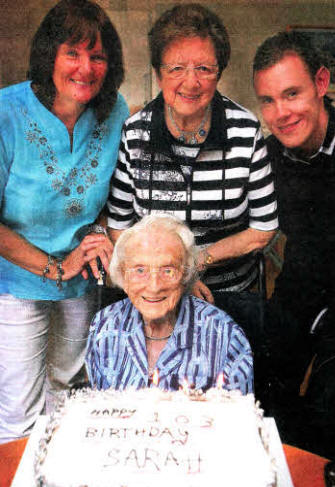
(60, 273)
(46, 269)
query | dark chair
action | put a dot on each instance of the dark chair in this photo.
(247, 308)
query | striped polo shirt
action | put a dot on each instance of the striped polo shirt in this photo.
(220, 187)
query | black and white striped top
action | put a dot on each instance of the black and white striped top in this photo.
(218, 188)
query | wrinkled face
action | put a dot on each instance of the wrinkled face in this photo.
(188, 96)
(79, 72)
(292, 103)
(157, 296)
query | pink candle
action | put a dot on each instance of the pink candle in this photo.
(220, 381)
(185, 387)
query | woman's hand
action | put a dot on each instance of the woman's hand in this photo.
(34, 260)
(96, 245)
(200, 290)
(75, 262)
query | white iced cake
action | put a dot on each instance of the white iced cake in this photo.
(150, 438)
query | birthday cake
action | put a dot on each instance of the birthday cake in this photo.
(149, 437)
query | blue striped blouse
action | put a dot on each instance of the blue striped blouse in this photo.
(205, 342)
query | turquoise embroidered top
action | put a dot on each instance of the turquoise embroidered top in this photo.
(47, 191)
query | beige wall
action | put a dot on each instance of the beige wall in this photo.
(248, 23)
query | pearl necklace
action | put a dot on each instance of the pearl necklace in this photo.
(192, 135)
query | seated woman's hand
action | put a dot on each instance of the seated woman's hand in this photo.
(96, 246)
(200, 290)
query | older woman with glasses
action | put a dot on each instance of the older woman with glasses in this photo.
(198, 155)
(160, 326)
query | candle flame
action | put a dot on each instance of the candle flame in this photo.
(220, 381)
(185, 387)
(155, 378)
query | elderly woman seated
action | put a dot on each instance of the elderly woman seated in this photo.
(160, 326)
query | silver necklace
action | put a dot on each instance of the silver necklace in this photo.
(157, 339)
(192, 135)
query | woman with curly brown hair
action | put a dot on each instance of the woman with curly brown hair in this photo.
(59, 137)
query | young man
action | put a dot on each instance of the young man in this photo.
(291, 81)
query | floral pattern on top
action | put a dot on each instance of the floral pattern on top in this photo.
(74, 184)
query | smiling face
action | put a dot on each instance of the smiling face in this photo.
(79, 72)
(189, 96)
(292, 103)
(155, 298)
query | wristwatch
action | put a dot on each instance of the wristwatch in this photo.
(208, 258)
(95, 228)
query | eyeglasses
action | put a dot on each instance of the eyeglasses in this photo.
(179, 71)
(166, 273)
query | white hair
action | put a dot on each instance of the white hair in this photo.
(163, 222)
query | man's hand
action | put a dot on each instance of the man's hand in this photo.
(200, 290)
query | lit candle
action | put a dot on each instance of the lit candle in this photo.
(220, 381)
(155, 378)
(185, 387)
